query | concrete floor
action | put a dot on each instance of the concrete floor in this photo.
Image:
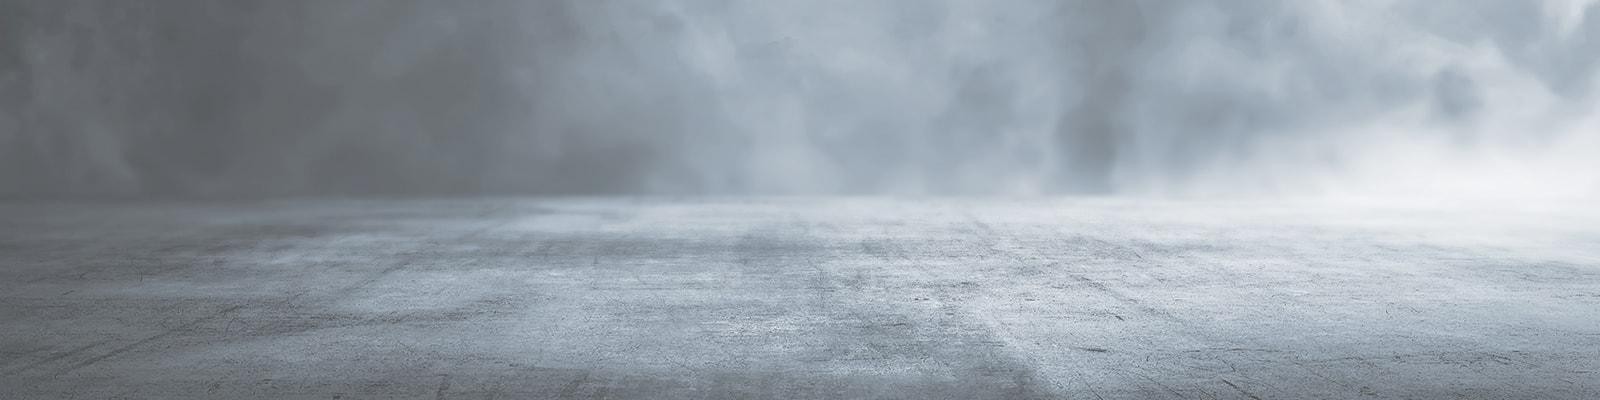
(795, 298)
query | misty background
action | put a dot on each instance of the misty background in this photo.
(204, 98)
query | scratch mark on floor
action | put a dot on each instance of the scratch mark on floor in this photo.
(118, 351)
(1241, 390)
(444, 386)
(53, 358)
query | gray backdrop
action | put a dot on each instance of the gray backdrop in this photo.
(204, 98)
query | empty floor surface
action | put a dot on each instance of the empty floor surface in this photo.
(1092, 298)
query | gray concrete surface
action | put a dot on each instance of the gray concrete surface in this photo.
(796, 298)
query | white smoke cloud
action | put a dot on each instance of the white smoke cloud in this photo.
(1480, 99)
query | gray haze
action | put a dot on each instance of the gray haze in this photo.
(204, 98)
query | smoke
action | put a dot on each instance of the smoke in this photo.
(195, 98)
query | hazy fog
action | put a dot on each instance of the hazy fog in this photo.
(205, 98)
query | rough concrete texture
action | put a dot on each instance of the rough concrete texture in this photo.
(796, 298)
